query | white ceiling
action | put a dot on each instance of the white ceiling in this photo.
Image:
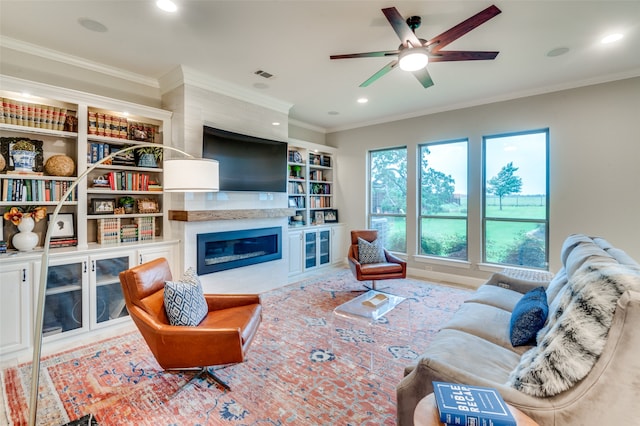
(230, 40)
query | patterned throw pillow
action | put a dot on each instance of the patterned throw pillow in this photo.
(184, 300)
(528, 317)
(370, 252)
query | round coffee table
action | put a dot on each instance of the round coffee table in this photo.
(427, 414)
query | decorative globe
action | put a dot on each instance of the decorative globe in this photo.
(60, 165)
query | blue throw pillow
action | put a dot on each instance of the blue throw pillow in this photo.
(528, 317)
(370, 252)
(184, 300)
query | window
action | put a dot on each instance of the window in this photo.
(516, 204)
(388, 197)
(443, 199)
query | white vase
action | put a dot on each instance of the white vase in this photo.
(26, 239)
(23, 161)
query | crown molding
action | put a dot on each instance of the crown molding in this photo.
(188, 76)
(502, 98)
(76, 61)
(307, 126)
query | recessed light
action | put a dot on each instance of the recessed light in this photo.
(167, 5)
(363, 100)
(611, 38)
(557, 51)
(275, 123)
(92, 25)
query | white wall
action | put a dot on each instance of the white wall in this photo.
(594, 162)
(194, 107)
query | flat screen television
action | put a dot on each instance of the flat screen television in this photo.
(246, 163)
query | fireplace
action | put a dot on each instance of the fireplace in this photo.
(219, 251)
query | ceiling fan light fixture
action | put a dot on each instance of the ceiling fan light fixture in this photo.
(413, 59)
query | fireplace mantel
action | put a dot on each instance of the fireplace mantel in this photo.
(208, 215)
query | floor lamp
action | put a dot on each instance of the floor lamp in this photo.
(180, 175)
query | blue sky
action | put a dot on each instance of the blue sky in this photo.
(527, 152)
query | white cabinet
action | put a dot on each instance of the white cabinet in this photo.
(15, 296)
(317, 248)
(168, 251)
(295, 252)
(339, 244)
(83, 293)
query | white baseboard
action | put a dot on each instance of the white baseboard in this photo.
(461, 280)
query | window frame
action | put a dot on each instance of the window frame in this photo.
(485, 219)
(370, 213)
(420, 216)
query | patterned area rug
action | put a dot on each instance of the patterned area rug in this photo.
(306, 366)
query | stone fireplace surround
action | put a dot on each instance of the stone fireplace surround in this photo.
(255, 278)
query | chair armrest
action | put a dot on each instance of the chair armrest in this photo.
(225, 301)
(393, 259)
(515, 284)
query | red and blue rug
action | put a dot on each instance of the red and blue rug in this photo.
(306, 366)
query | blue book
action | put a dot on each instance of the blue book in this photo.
(471, 405)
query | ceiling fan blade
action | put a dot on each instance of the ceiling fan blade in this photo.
(423, 77)
(400, 26)
(366, 54)
(462, 55)
(462, 28)
(391, 65)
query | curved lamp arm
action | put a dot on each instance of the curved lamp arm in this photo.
(42, 283)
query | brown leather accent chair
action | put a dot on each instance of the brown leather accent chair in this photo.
(222, 338)
(392, 268)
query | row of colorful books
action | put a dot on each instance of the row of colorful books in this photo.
(128, 181)
(471, 405)
(24, 190)
(32, 115)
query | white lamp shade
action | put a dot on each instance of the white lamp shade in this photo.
(413, 59)
(191, 175)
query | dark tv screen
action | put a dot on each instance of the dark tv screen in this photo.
(246, 163)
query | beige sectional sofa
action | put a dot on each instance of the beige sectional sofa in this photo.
(584, 366)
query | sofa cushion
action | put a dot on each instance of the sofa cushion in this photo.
(573, 339)
(184, 300)
(488, 322)
(493, 295)
(370, 252)
(460, 351)
(528, 317)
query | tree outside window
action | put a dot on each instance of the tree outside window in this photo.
(388, 196)
(516, 214)
(443, 199)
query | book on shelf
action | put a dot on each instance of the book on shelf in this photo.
(63, 242)
(468, 405)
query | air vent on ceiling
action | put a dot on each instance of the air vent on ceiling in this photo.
(264, 74)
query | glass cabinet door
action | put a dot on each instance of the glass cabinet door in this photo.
(109, 302)
(325, 247)
(63, 306)
(310, 249)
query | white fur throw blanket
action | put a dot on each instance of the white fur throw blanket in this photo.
(576, 330)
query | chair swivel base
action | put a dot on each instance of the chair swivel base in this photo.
(204, 372)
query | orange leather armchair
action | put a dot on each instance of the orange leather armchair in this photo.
(393, 267)
(222, 337)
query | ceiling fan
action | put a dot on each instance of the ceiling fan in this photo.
(414, 53)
